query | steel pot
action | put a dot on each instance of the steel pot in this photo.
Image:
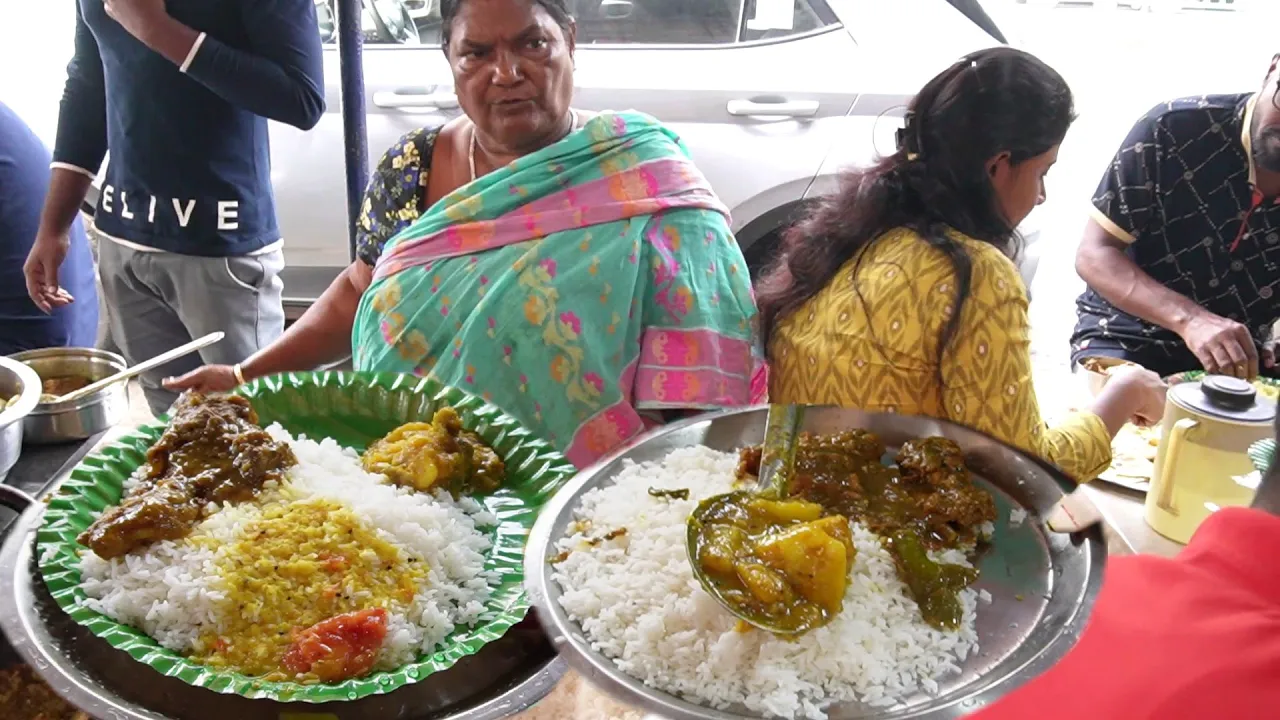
(81, 419)
(16, 380)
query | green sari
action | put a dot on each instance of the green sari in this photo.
(584, 289)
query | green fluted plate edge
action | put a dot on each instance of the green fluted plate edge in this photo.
(353, 409)
(1263, 453)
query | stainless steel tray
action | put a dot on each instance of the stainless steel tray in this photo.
(506, 677)
(1043, 584)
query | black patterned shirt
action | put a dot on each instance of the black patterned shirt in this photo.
(1180, 193)
(396, 194)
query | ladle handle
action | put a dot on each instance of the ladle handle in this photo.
(157, 361)
(778, 456)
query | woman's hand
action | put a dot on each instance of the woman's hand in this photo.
(208, 379)
(1132, 394)
(1147, 391)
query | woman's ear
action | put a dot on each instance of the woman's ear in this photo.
(995, 163)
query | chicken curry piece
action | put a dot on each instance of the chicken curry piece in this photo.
(213, 451)
(52, 388)
(440, 453)
(778, 562)
(927, 502)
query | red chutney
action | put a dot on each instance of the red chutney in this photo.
(342, 647)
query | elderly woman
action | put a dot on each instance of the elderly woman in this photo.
(898, 294)
(575, 270)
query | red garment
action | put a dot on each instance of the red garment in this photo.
(1196, 637)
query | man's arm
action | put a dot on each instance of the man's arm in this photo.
(82, 133)
(77, 155)
(1103, 263)
(280, 75)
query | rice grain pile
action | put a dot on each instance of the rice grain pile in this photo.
(638, 603)
(235, 577)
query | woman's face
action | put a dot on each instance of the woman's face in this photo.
(1020, 188)
(513, 69)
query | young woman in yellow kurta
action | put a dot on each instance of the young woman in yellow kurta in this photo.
(898, 293)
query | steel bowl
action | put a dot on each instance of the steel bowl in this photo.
(81, 419)
(1042, 584)
(18, 380)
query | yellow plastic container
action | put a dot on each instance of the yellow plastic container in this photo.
(1201, 464)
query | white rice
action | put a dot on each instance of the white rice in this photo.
(1017, 516)
(638, 603)
(171, 591)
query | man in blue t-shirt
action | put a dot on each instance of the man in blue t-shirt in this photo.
(24, 177)
(180, 93)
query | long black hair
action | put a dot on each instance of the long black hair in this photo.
(990, 102)
(557, 9)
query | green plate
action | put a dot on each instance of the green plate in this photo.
(354, 409)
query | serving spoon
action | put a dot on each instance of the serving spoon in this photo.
(777, 461)
(161, 359)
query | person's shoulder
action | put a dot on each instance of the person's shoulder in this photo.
(413, 149)
(993, 274)
(984, 257)
(1196, 114)
(620, 123)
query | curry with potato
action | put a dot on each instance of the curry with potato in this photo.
(786, 560)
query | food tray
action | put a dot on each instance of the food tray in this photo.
(111, 678)
(505, 677)
(1056, 576)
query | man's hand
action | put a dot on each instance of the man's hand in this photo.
(1224, 347)
(139, 17)
(41, 272)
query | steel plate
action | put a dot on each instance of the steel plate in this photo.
(506, 677)
(1043, 584)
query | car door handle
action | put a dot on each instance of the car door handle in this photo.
(798, 108)
(446, 100)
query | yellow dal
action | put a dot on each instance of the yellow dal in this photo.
(301, 562)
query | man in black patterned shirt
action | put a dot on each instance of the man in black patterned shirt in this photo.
(1182, 249)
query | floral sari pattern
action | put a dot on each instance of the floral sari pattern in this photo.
(584, 289)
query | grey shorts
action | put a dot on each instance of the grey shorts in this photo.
(158, 301)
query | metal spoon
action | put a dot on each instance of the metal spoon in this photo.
(161, 359)
(778, 455)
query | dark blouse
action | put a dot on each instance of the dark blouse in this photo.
(397, 192)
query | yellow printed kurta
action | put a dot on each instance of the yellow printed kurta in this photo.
(869, 340)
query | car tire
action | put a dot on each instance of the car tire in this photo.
(762, 254)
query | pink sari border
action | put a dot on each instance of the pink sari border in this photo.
(605, 432)
(681, 348)
(645, 189)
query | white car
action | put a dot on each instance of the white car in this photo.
(773, 97)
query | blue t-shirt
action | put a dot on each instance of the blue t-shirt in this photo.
(24, 180)
(190, 168)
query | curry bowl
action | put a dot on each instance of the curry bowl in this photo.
(340, 414)
(1034, 590)
(54, 422)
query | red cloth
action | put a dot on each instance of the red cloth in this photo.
(1196, 637)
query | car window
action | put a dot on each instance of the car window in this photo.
(770, 19)
(657, 22)
(382, 22)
